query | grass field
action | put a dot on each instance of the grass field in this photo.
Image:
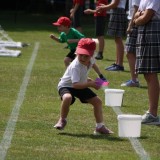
(32, 88)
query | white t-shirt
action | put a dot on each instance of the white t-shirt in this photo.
(75, 72)
(151, 4)
(122, 3)
(132, 3)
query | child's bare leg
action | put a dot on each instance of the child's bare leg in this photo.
(153, 92)
(119, 51)
(67, 61)
(101, 43)
(132, 60)
(97, 106)
(66, 101)
(100, 127)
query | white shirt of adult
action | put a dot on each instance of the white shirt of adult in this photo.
(132, 3)
(151, 4)
(122, 3)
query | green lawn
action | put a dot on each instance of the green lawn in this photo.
(34, 137)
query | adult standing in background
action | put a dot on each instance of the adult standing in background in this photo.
(147, 18)
(100, 20)
(130, 46)
(116, 28)
(68, 6)
(76, 13)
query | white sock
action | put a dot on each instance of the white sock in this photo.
(99, 125)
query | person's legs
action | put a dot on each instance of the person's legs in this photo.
(99, 33)
(101, 43)
(153, 92)
(131, 60)
(133, 82)
(65, 104)
(118, 65)
(69, 57)
(67, 61)
(97, 106)
(119, 51)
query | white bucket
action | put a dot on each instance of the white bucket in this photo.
(113, 97)
(129, 125)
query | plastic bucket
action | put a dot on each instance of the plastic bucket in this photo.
(129, 125)
(113, 97)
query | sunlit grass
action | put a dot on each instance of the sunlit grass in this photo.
(34, 137)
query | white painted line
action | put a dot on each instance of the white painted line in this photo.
(134, 141)
(8, 134)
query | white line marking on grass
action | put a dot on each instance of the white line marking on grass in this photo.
(134, 141)
(8, 134)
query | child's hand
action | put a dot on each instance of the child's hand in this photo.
(94, 85)
(100, 8)
(87, 11)
(102, 83)
(52, 36)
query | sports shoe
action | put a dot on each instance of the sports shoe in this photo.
(116, 67)
(99, 56)
(112, 65)
(102, 130)
(130, 83)
(148, 118)
(60, 124)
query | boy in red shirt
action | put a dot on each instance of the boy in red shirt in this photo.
(99, 26)
(76, 13)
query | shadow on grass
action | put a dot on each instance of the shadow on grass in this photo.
(106, 137)
(103, 137)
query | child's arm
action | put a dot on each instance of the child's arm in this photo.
(52, 36)
(89, 83)
(97, 70)
(89, 11)
(112, 5)
(141, 18)
(130, 25)
(74, 9)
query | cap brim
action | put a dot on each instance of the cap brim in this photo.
(56, 24)
(84, 52)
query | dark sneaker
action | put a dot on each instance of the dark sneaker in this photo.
(60, 124)
(148, 118)
(99, 56)
(102, 130)
(116, 68)
(112, 65)
(130, 83)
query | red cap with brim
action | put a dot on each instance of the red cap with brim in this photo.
(86, 46)
(65, 21)
(56, 24)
